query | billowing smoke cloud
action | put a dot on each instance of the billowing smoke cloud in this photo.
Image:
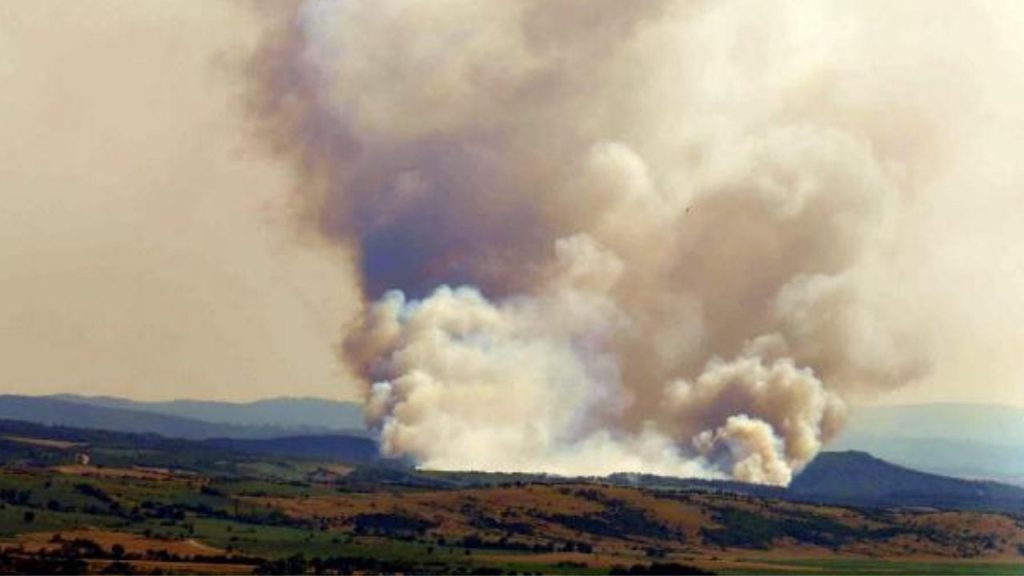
(626, 236)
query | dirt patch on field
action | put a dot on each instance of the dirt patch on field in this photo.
(135, 472)
(153, 566)
(553, 558)
(35, 542)
(44, 442)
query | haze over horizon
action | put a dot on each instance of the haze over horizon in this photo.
(679, 236)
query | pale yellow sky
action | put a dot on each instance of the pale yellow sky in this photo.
(144, 250)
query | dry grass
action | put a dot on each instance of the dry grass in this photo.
(458, 513)
(135, 472)
(151, 566)
(133, 543)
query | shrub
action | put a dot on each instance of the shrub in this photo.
(396, 525)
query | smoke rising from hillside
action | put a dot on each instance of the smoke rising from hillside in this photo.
(659, 237)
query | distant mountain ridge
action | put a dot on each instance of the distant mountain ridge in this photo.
(309, 414)
(115, 415)
(38, 445)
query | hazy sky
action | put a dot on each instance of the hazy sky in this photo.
(148, 246)
(145, 249)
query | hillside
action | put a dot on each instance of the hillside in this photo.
(339, 447)
(960, 458)
(26, 444)
(859, 478)
(589, 518)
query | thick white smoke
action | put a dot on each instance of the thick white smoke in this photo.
(619, 236)
(534, 384)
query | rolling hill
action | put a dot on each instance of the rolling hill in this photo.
(859, 478)
(350, 449)
(26, 444)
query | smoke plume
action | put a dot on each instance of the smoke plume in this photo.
(620, 236)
